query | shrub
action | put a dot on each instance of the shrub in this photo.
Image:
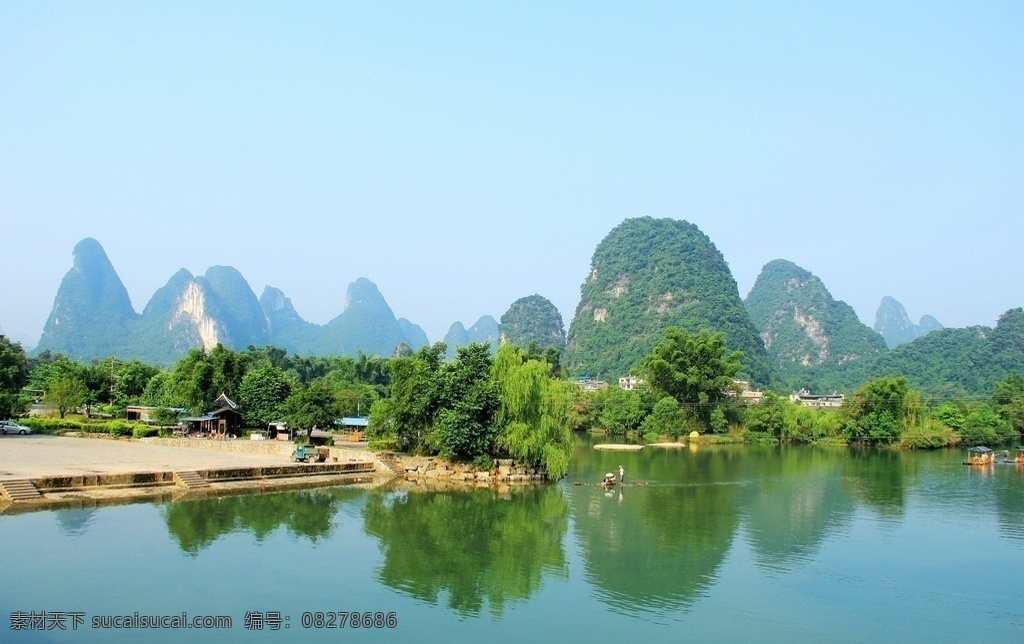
(118, 428)
(46, 425)
(933, 434)
(144, 431)
(759, 438)
(389, 444)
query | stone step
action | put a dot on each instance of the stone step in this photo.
(20, 490)
(190, 480)
(390, 465)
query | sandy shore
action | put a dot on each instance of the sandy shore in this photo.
(36, 456)
(39, 457)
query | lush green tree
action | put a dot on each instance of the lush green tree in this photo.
(228, 369)
(263, 393)
(623, 411)
(805, 424)
(13, 376)
(191, 382)
(1009, 401)
(696, 370)
(356, 399)
(66, 394)
(768, 417)
(467, 401)
(879, 409)
(984, 426)
(951, 414)
(130, 381)
(533, 418)
(200, 377)
(276, 356)
(48, 369)
(311, 406)
(407, 415)
(666, 419)
(158, 391)
(584, 409)
(163, 416)
(98, 378)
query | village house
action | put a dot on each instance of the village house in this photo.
(629, 383)
(144, 413)
(807, 399)
(587, 383)
(224, 417)
(747, 395)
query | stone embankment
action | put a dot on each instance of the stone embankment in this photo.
(420, 469)
(431, 470)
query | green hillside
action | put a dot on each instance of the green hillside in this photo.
(533, 319)
(809, 335)
(647, 275)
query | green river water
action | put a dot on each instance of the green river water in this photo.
(731, 543)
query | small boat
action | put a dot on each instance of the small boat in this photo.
(980, 456)
(1020, 457)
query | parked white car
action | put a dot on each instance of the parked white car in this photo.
(11, 427)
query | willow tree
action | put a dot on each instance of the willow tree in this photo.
(533, 419)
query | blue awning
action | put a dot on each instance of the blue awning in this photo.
(353, 421)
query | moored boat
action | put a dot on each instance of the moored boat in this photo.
(980, 456)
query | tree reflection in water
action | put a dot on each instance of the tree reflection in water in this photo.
(469, 546)
(658, 548)
(195, 524)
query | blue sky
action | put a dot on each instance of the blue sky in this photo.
(464, 155)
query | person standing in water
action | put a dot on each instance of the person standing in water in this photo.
(622, 475)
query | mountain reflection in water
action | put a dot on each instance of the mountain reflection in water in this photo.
(704, 542)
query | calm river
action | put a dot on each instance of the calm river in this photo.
(728, 543)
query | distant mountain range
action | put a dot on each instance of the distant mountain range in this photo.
(645, 275)
(92, 317)
(893, 323)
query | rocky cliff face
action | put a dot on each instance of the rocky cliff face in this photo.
(192, 312)
(236, 308)
(645, 276)
(892, 322)
(804, 329)
(189, 318)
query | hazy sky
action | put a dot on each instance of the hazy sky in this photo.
(464, 155)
